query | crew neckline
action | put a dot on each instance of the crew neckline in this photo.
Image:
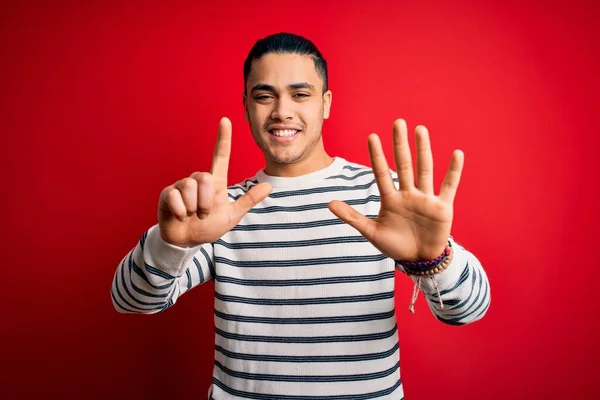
(301, 180)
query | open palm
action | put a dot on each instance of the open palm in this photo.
(413, 223)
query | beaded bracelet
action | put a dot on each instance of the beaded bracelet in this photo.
(434, 269)
(427, 268)
(426, 265)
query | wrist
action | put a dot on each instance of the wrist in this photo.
(428, 267)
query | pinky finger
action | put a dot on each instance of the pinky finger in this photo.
(452, 179)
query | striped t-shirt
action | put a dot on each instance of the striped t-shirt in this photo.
(304, 305)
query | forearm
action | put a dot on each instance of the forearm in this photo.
(154, 274)
(463, 287)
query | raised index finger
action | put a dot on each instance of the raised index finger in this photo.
(220, 162)
(380, 167)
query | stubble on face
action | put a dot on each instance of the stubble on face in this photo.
(292, 154)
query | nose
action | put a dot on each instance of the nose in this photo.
(283, 110)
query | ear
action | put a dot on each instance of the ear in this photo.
(245, 104)
(327, 97)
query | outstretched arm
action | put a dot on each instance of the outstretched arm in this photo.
(414, 225)
(176, 254)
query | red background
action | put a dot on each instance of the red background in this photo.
(103, 104)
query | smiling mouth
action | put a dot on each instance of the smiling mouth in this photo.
(283, 133)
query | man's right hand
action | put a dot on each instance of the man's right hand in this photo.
(196, 210)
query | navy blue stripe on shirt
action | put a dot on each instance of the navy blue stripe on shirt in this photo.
(307, 282)
(308, 359)
(112, 294)
(291, 225)
(366, 337)
(349, 178)
(353, 168)
(142, 274)
(147, 294)
(189, 279)
(120, 296)
(483, 303)
(463, 277)
(279, 396)
(140, 290)
(313, 206)
(144, 303)
(143, 239)
(307, 378)
(316, 190)
(460, 304)
(294, 243)
(306, 301)
(158, 272)
(303, 321)
(209, 262)
(243, 185)
(199, 268)
(300, 263)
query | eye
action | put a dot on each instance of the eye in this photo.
(263, 97)
(301, 95)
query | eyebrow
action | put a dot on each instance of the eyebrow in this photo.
(293, 86)
(301, 85)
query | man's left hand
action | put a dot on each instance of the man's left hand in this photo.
(413, 223)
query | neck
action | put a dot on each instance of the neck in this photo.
(316, 161)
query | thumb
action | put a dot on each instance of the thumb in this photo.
(349, 215)
(254, 196)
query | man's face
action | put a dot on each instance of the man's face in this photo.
(285, 106)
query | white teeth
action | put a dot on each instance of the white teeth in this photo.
(284, 132)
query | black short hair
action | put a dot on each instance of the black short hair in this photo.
(286, 43)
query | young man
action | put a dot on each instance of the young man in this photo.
(303, 254)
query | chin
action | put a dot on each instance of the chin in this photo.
(284, 158)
